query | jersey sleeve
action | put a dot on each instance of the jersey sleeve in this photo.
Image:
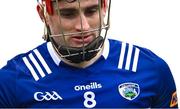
(166, 91)
(7, 89)
(8, 82)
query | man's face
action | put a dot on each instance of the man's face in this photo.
(73, 19)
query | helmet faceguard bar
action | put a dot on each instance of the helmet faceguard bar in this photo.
(77, 33)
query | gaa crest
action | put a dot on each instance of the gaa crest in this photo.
(129, 90)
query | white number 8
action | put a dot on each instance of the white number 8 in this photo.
(89, 99)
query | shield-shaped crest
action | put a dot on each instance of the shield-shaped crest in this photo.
(129, 90)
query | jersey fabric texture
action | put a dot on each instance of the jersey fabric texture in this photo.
(125, 76)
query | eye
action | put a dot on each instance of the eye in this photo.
(91, 11)
(68, 13)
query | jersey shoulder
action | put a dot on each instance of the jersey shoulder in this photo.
(26, 63)
(133, 57)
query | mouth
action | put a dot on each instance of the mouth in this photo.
(82, 39)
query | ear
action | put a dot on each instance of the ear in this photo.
(41, 12)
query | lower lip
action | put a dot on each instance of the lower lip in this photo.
(86, 40)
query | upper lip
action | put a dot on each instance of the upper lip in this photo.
(81, 36)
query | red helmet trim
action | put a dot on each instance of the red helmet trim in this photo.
(49, 6)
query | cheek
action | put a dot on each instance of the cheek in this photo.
(58, 25)
(67, 25)
(95, 21)
(54, 25)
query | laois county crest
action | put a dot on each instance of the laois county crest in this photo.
(129, 90)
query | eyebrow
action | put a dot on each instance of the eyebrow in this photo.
(73, 9)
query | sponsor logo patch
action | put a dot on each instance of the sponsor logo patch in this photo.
(174, 100)
(47, 96)
(129, 90)
(92, 85)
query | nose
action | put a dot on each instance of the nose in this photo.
(82, 23)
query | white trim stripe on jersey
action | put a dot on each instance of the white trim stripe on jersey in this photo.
(134, 68)
(53, 54)
(106, 49)
(128, 61)
(121, 59)
(42, 61)
(30, 68)
(36, 65)
(130, 57)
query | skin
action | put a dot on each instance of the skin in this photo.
(73, 20)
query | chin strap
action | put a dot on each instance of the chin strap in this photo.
(78, 54)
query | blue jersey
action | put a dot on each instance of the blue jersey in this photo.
(125, 75)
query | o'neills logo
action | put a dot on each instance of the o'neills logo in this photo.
(92, 85)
